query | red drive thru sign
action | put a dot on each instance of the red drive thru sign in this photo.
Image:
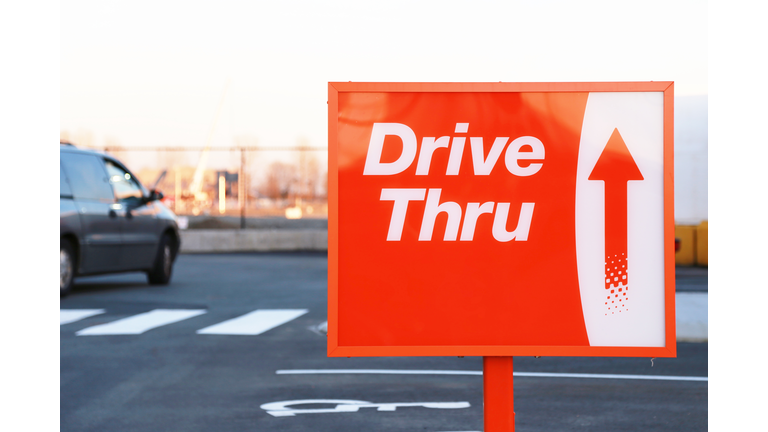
(484, 219)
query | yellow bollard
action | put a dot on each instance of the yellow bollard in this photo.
(702, 243)
(686, 256)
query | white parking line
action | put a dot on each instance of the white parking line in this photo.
(691, 316)
(254, 323)
(67, 316)
(480, 373)
(141, 323)
(376, 371)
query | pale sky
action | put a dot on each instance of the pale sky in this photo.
(151, 73)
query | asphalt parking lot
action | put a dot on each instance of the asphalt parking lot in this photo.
(234, 344)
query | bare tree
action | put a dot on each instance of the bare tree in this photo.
(281, 179)
(324, 185)
(309, 181)
(312, 176)
(252, 163)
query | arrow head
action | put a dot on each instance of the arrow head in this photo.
(616, 163)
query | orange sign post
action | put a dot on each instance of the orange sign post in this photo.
(501, 219)
(498, 394)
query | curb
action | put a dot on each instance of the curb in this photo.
(253, 240)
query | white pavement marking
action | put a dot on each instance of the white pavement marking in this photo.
(480, 373)
(254, 323)
(375, 371)
(691, 316)
(141, 323)
(285, 408)
(67, 316)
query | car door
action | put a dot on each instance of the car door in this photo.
(140, 227)
(95, 203)
(69, 219)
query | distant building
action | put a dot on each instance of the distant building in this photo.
(230, 181)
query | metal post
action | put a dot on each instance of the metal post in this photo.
(243, 188)
(177, 190)
(498, 395)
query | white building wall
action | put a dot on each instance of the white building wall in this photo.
(691, 163)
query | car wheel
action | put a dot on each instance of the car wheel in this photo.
(66, 266)
(163, 267)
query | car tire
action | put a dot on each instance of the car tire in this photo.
(163, 267)
(67, 267)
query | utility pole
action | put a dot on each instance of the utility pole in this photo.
(177, 190)
(243, 193)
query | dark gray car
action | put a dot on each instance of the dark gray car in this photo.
(110, 223)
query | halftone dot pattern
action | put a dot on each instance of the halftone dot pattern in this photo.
(616, 284)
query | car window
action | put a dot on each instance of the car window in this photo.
(87, 177)
(125, 186)
(64, 188)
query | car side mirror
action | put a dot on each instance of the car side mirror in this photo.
(155, 195)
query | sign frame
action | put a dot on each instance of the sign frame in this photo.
(334, 349)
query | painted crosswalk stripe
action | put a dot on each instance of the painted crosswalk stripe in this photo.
(141, 323)
(254, 323)
(67, 316)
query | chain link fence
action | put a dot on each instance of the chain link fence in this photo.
(216, 186)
